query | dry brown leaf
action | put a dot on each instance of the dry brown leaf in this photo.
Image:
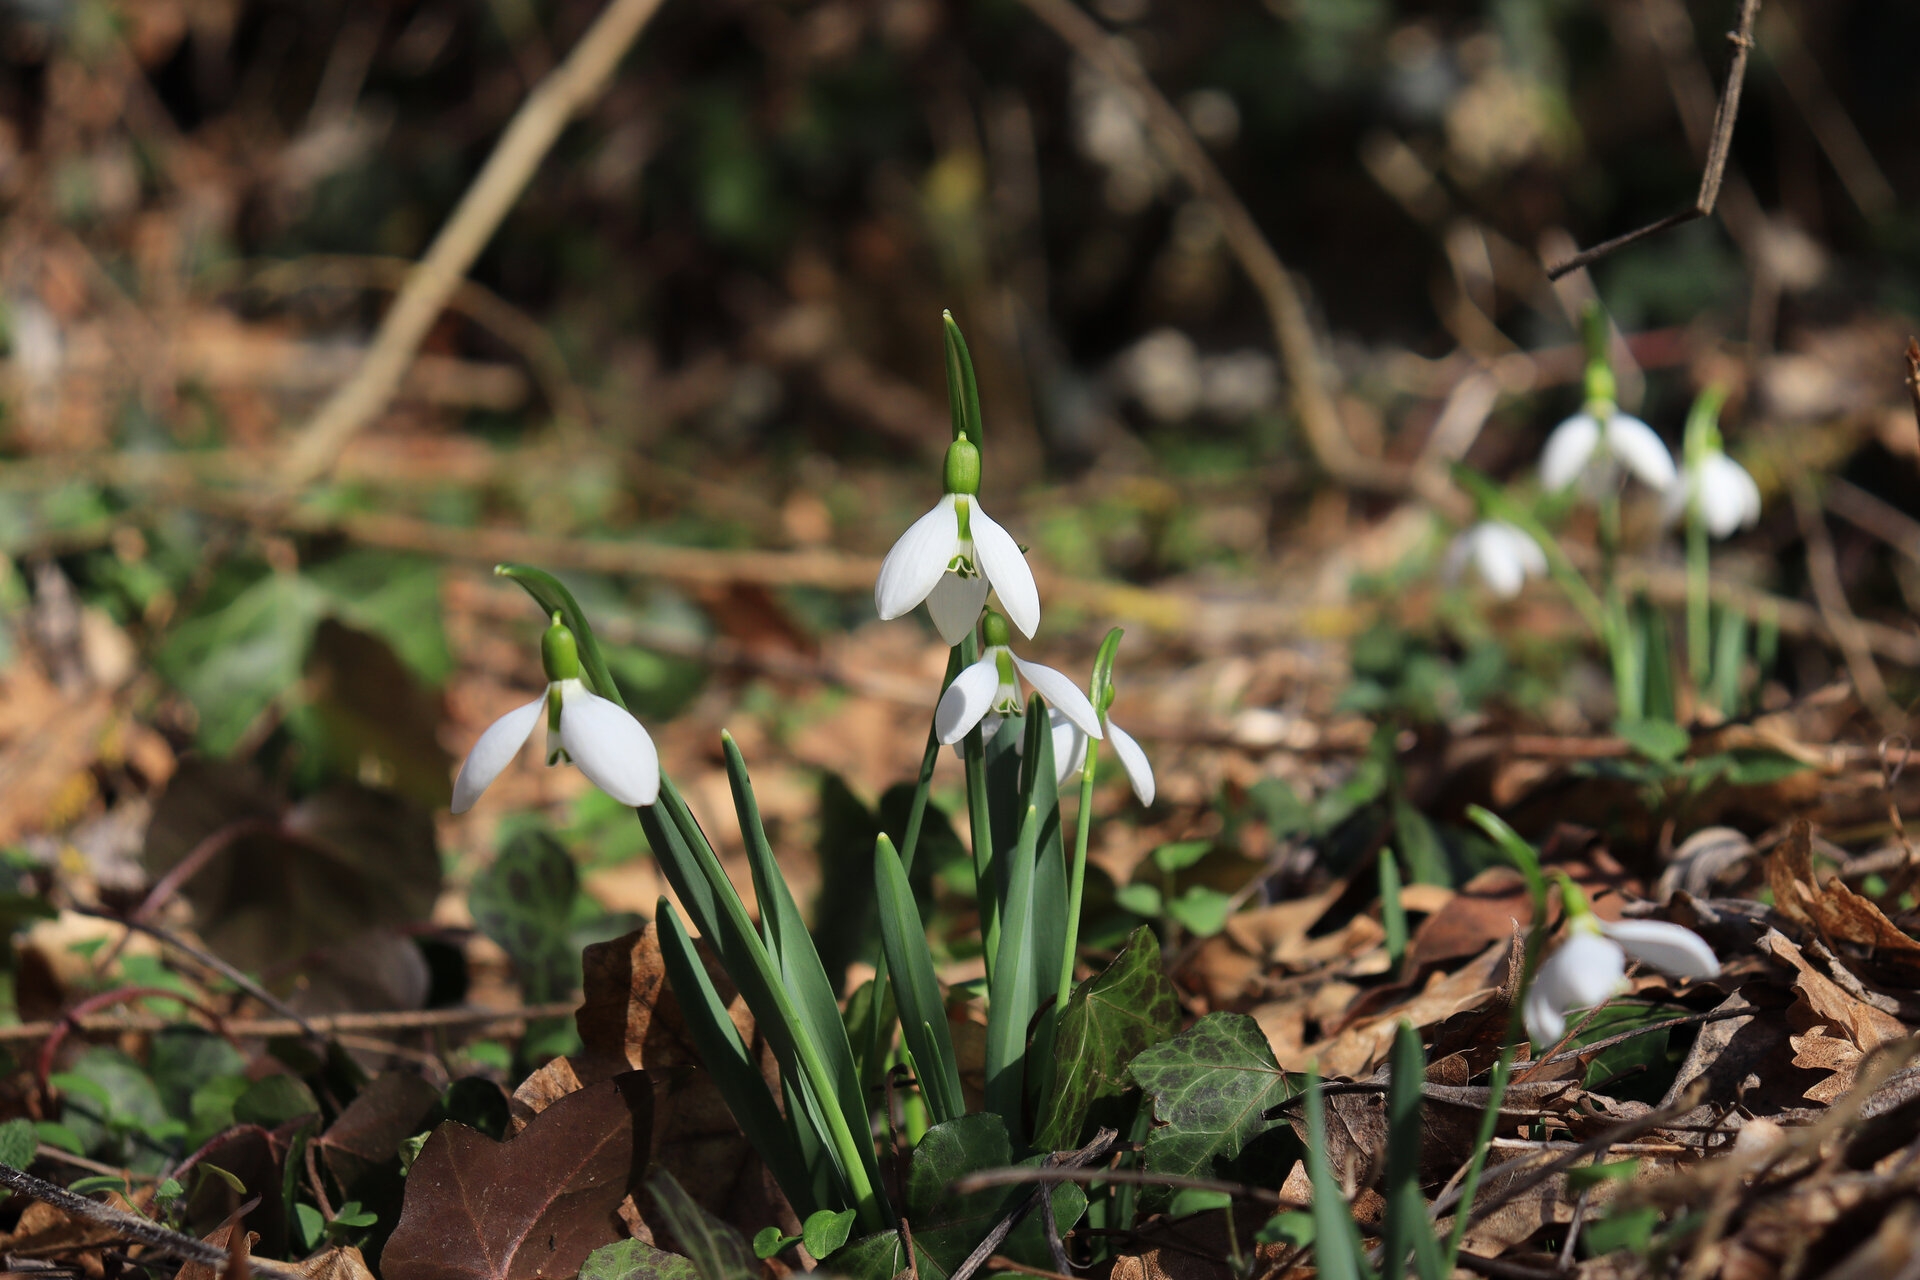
(1866, 1026)
(628, 1017)
(1354, 1050)
(1834, 910)
(1816, 1050)
(343, 1262)
(222, 1239)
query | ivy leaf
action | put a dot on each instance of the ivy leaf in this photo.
(524, 901)
(1112, 1017)
(946, 1227)
(637, 1260)
(1211, 1087)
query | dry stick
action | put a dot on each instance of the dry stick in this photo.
(1286, 313)
(1823, 571)
(1716, 165)
(1102, 1140)
(207, 960)
(532, 132)
(323, 1024)
(1913, 376)
(133, 1226)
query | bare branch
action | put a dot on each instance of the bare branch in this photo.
(1715, 169)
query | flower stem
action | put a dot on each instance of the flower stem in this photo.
(1627, 682)
(1083, 822)
(1699, 618)
(909, 841)
(986, 890)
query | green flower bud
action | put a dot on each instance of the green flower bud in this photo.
(994, 630)
(559, 653)
(962, 471)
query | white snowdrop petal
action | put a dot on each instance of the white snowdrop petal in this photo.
(1133, 760)
(1545, 1024)
(999, 558)
(1500, 566)
(954, 605)
(610, 747)
(1520, 543)
(1587, 970)
(1061, 692)
(1728, 496)
(917, 561)
(966, 700)
(498, 745)
(1567, 451)
(1640, 449)
(1069, 746)
(1669, 948)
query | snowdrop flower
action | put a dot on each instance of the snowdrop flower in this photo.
(988, 691)
(1070, 742)
(952, 554)
(1594, 444)
(1505, 556)
(1590, 967)
(598, 735)
(1728, 498)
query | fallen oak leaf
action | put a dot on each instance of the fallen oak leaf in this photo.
(535, 1206)
(1834, 910)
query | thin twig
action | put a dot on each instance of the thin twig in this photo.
(132, 1226)
(1013, 1177)
(207, 960)
(1823, 571)
(532, 132)
(320, 1024)
(1103, 1140)
(1286, 312)
(1912, 355)
(1716, 163)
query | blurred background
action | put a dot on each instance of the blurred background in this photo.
(697, 371)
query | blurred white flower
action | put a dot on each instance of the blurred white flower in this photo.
(989, 690)
(1590, 967)
(1504, 555)
(1729, 499)
(600, 736)
(950, 557)
(1163, 372)
(1070, 753)
(1591, 449)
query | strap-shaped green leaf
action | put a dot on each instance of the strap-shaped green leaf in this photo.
(923, 1017)
(553, 597)
(1337, 1250)
(691, 867)
(1042, 792)
(1013, 990)
(1407, 1227)
(963, 391)
(730, 1064)
(793, 950)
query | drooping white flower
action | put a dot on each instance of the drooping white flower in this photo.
(1590, 967)
(950, 557)
(598, 735)
(1505, 556)
(1728, 498)
(1594, 444)
(1070, 753)
(989, 690)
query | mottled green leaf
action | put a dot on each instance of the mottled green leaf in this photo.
(636, 1260)
(716, 1250)
(1112, 1017)
(946, 1227)
(524, 901)
(1211, 1087)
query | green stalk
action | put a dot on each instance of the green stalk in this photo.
(980, 826)
(1083, 822)
(1699, 617)
(909, 840)
(1627, 680)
